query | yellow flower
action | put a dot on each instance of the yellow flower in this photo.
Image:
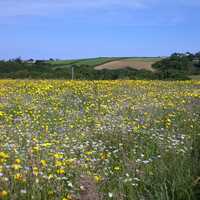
(18, 177)
(88, 153)
(58, 163)
(43, 162)
(36, 148)
(3, 193)
(4, 155)
(69, 197)
(58, 156)
(2, 114)
(35, 171)
(88, 159)
(70, 161)
(47, 144)
(34, 139)
(50, 176)
(16, 166)
(97, 178)
(60, 171)
(117, 168)
(18, 161)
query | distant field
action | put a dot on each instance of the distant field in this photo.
(95, 61)
(109, 62)
(90, 62)
(145, 59)
(135, 63)
(62, 62)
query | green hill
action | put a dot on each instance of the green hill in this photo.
(176, 67)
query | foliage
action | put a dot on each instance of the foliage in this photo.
(43, 70)
(178, 66)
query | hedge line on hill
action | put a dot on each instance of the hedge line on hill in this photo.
(176, 67)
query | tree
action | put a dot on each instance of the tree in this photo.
(18, 60)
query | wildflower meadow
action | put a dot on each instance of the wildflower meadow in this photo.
(92, 140)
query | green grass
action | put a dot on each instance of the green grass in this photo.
(89, 61)
(86, 61)
(145, 59)
(62, 62)
(93, 62)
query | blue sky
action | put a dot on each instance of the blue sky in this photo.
(92, 28)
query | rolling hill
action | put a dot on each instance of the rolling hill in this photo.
(135, 63)
(109, 63)
(178, 66)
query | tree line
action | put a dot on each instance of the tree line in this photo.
(178, 66)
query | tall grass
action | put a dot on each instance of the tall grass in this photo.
(121, 140)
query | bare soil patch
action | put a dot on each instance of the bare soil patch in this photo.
(121, 64)
(90, 189)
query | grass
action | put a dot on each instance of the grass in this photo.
(145, 59)
(93, 62)
(62, 62)
(88, 61)
(96, 61)
(120, 140)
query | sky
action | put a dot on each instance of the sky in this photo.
(65, 29)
